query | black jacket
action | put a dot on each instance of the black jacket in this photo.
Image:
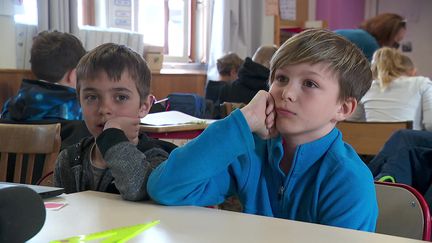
(252, 77)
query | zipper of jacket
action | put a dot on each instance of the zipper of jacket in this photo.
(281, 192)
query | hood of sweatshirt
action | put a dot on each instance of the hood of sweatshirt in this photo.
(253, 75)
(40, 100)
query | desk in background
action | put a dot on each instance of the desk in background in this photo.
(89, 212)
(176, 134)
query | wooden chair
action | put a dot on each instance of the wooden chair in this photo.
(30, 140)
(367, 138)
(402, 211)
(229, 107)
(10, 82)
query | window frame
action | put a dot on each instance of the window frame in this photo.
(189, 24)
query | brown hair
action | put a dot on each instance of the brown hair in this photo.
(264, 54)
(389, 64)
(323, 46)
(228, 62)
(114, 60)
(53, 54)
(384, 27)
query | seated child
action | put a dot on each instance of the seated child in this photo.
(282, 155)
(227, 66)
(252, 77)
(54, 56)
(113, 85)
(397, 93)
(406, 158)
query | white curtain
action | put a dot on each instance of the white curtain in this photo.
(236, 26)
(60, 15)
(24, 40)
(93, 37)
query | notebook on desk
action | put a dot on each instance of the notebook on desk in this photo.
(170, 118)
(43, 191)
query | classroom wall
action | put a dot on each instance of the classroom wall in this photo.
(340, 14)
(7, 38)
(267, 36)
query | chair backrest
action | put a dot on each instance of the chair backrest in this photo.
(368, 138)
(229, 107)
(402, 211)
(28, 140)
(10, 82)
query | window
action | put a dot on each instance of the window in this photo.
(152, 20)
(26, 12)
(167, 23)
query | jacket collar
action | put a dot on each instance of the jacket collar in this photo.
(306, 154)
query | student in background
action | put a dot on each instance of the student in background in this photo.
(386, 29)
(396, 94)
(113, 85)
(54, 56)
(227, 66)
(252, 77)
(406, 158)
(282, 154)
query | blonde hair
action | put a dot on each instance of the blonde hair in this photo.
(323, 46)
(264, 54)
(389, 64)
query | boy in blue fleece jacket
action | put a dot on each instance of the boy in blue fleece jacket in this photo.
(282, 155)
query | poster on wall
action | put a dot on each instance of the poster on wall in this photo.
(120, 14)
(271, 7)
(288, 9)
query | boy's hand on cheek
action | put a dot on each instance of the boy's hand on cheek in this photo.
(129, 125)
(260, 115)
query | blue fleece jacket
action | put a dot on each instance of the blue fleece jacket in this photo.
(327, 183)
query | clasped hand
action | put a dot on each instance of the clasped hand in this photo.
(260, 115)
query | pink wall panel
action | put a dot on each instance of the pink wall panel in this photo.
(341, 14)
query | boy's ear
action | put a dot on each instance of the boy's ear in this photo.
(346, 109)
(71, 79)
(145, 106)
(233, 73)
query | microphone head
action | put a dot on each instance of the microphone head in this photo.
(22, 214)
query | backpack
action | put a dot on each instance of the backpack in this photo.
(191, 104)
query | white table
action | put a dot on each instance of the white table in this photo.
(90, 212)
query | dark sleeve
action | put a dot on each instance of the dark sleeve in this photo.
(129, 166)
(63, 175)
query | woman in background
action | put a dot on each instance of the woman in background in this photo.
(386, 29)
(396, 94)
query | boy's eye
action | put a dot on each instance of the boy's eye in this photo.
(310, 84)
(121, 98)
(89, 98)
(281, 79)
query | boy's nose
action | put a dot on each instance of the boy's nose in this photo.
(289, 92)
(105, 108)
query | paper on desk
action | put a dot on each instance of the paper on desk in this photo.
(54, 205)
(170, 118)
